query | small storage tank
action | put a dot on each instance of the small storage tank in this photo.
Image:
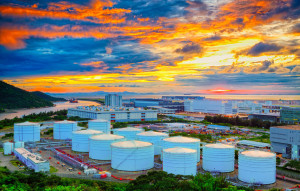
(80, 139)
(180, 161)
(132, 155)
(185, 142)
(153, 137)
(27, 131)
(100, 125)
(63, 129)
(19, 144)
(100, 145)
(8, 148)
(257, 167)
(218, 157)
(129, 132)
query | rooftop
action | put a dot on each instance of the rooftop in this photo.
(33, 157)
(88, 131)
(219, 146)
(256, 153)
(293, 127)
(181, 139)
(128, 129)
(65, 122)
(254, 143)
(153, 133)
(27, 123)
(106, 137)
(131, 144)
(179, 150)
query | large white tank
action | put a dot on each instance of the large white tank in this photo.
(80, 139)
(185, 142)
(100, 148)
(153, 137)
(132, 155)
(8, 148)
(129, 132)
(100, 125)
(178, 160)
(27, 131)
(257, 167)
(63, 129)
(19, 144)
(218, 157)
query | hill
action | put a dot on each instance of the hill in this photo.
(13, 98)
(47, 97)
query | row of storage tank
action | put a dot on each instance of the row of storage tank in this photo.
(132, 149)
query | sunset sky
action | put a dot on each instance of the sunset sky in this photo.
(151, 46)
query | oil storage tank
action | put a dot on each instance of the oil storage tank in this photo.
(218, 157)
(132, 155)
(185, 142)
(100, 148)
(19, 145)
(8, 148)
(130, 133)
(63, 129)
(100, 125)
(80, 139)
(180, 161)
(153, 137)
(27, 131)
(257, 167)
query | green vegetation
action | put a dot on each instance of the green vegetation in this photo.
(43, 116)
(240, 122)
(49, 132)
(1, 150)
(47, 97)
(264, 138)
(2, 110)
(52, 169)
(8, 135)
(15, 163)
(13, 98)
(293, 164)
(278, 161)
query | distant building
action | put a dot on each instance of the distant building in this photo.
(286, 140)
(113, 114)
(162, 110)
(113, 100)
(290, 115)
(32, 160)
(208, 106)
(265, 117)
(177, 105)
(246, 107)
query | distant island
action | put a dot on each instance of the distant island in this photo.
(15, 98)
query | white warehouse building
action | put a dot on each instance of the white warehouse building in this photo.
(32, 160)
(113, 114)
(208, 106)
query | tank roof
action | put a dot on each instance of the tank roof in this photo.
(65, 122)
(131, 144)
(27, 123)
(257, 153)
(181, 139)
(106, 137)
(179, 150)
(128, 129)
(88, 131)
(219, 146)
(152, 133)
(98, 120)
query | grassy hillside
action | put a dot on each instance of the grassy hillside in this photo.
(13, 98)
(47, 97)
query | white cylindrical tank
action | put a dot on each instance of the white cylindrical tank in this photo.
(257, 167)
(100, 145)
(218, 157)
(27, 131)
(153, 137)
(80, 139)
(19, 144)
(100, 125)
(8, 148)
(185, 142)
(132, 155)
(129, 132)
(180, 161)
(63, 129)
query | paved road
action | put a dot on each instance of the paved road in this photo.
(5, 161)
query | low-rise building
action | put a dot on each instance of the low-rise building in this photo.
(114, 114)
(290, 115)
(32, 160)
(162, 110)
(286, 140)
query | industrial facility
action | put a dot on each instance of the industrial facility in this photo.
(113, 114)
(63, 129)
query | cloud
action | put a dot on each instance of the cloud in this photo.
(190, 48)
(261, 47)
(266, 67)
(213, 38)
(296, 69)
(108, 50)
(121, 85)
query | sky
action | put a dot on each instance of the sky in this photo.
(157, 46)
